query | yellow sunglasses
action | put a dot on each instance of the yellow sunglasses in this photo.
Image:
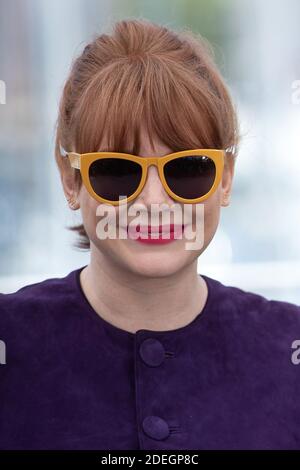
(189, 176)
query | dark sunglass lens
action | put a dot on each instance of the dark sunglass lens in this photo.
(190, 177)
(114, 177)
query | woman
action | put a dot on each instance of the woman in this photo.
(136, 350)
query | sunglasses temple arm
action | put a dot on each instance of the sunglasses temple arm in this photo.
(73, 157)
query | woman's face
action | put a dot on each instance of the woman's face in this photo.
(153, 260)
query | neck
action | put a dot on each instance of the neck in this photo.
(132, 301)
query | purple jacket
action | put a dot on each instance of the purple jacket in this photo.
(72, 380)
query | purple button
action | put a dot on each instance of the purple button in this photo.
(152, 352)
(156, 427)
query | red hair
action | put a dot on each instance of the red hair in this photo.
(145, 72)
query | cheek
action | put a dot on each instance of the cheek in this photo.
(88, 207)
(211, 216)
(93, 212)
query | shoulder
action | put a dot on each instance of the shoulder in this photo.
(240, 302)
(255, 317)
(36, 302)
(259, 339)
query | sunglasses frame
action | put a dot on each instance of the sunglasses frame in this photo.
(83, 162)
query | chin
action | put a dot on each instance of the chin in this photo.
(157, 265)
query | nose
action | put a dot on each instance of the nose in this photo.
(153, 191)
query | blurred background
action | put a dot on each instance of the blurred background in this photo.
(257, 47)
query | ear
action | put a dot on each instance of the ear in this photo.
(227, 180)
(67, 176)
